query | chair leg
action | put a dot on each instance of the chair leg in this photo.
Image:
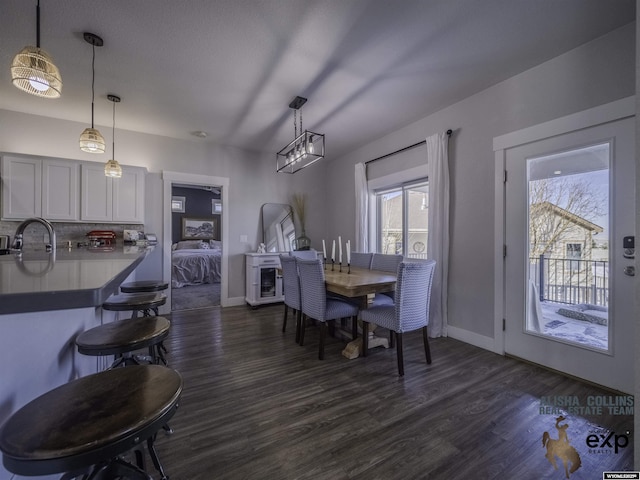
(392, 335)
(427, 350)
(298, 324)
(284, 319)
(303, 322)
(399, 351)
(323, 332)
(354, 327)
(365, 338)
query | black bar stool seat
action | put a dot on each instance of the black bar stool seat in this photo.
(144, 286)
(135, 302)
(119, 338)
(87, 423)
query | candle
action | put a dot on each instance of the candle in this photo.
(324, 249)
(339, 249)
(349, 252)
(333, 251)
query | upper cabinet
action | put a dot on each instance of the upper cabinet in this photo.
(106, 199)
(39, 187)
(70, 191)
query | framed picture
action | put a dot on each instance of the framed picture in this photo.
(177, 204)
(200, 228)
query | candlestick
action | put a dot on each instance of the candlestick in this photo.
(348, 251)
(339, 248)
(333, 252)
(348, 268)
(324, 250)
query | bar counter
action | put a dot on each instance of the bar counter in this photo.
(68, 278)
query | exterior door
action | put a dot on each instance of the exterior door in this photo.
(568, 289)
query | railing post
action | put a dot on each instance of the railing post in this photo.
(541, 280)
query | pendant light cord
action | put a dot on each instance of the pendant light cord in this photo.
(113, 135)
(38, 25)
(93, 78)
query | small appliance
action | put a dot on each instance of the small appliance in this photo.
(101, 238)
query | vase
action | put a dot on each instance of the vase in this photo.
(302, 242)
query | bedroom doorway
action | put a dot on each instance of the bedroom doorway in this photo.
(196, 246)
(195, 233)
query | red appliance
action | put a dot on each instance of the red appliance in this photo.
(101, 238)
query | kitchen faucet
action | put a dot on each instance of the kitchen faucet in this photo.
(18, 240)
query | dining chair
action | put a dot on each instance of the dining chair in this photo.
(385, 263)
(410, 310)
(317, 305)
(305, 254)
(361, 260)
(291, 289)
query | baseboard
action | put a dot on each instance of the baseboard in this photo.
(475, 339)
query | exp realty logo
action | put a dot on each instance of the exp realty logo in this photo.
(599, 441)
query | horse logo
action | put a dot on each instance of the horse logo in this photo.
(562, 449)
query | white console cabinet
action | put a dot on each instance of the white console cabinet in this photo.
(264, 279)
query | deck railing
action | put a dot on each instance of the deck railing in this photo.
(565, 280)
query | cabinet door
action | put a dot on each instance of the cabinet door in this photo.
(128, 196)
(21, 187)
(60, 190)
(97, 194)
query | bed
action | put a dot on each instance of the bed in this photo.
(194, 262)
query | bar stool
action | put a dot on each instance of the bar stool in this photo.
(121, 338)
(136, 302)
(87, 425)
(144, 286)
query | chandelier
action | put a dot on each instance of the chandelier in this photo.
(91, 140)
(112, 168)
(306, 148)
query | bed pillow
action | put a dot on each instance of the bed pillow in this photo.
(188, 244)
(215, 244)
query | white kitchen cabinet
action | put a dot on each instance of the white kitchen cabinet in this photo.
(39, 187)
(263, 279)
(106, 199)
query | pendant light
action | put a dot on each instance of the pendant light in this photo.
(33, 70)
(112, 168)
(305, 149)
(91, 140)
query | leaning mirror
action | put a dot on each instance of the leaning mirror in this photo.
(278, 231)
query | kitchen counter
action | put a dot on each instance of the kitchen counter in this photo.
(69, 278)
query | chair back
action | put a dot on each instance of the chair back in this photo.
(362, 260)
(313, 291)
(385, 262)
(413, 294)
(290, 281)
(305, 254)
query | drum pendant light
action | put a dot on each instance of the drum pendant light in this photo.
(33, 70)
(112, 168)
(91, 140)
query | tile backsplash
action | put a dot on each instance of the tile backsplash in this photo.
(65, 232)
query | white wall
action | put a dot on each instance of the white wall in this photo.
(595, 73)
(253, 179)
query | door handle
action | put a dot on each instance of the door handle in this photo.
(630, 270)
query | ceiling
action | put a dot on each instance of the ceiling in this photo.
(230, 68)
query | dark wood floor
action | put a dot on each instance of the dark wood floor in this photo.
(257, 406)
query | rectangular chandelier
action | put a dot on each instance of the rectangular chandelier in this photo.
(306, 148)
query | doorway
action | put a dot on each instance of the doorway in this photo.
(568, 298)
(199, 237)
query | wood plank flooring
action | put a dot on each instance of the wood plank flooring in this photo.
(258, 406)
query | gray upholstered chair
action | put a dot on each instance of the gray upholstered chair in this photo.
(385, 263)
(361, 260)
(317, 305)
(410, 310)
(305, 254)
(291, 288)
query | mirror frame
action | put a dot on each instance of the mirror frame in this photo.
(277, 225)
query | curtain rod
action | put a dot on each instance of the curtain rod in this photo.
(449, 132)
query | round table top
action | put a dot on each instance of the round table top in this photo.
(123, 336)
(134, 301)
(90, 419)
(144, 286)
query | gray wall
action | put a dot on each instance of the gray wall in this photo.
(596, 73)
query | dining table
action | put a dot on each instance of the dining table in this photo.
(359, 285)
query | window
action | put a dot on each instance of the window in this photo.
(402, 219)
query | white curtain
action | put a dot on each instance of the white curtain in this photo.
(362, 209)
(438, 237)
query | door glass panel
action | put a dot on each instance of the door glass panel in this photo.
(417, 218)
(390, 205)
(568, 254)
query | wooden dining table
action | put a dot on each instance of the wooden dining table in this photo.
(359, 284)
